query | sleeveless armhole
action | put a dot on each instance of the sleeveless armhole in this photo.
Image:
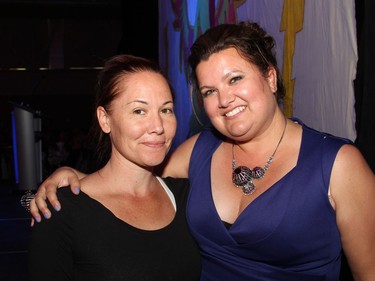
(330, 149)
(207, 142)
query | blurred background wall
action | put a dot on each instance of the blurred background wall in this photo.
(51, 51)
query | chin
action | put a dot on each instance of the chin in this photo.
(238, 136)
(236, 132)
(154, 161)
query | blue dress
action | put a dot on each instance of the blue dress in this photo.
(288, 233)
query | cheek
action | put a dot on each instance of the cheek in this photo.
(210, 106)
(172, 125)
(130, 130)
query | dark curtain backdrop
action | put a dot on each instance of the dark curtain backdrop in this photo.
(365, 80)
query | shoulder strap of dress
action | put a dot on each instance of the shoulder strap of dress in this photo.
(206, 143)
(329, 146)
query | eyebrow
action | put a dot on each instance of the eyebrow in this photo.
(224, 77)
(145, 102)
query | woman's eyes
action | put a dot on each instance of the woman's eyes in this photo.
(235, 79)
(207, 93)
(143, 112)
(167, 110)
(138, 111)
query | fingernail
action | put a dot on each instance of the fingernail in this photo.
(38, 219)
(76, 190)
(46, 215)
(57, 207)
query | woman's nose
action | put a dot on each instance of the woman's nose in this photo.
(225, 98)
(156, 124)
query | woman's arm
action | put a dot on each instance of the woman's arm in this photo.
(177, 165)
(50, 250)
(353, 193)
(63, 176)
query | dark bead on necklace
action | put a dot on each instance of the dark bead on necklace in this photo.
(248, 188)
(241, 175)
(258, 173)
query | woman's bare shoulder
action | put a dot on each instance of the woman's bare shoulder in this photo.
(177, 164)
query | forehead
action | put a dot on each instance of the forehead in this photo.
(226, 55)
(222, 62)
(143, 84)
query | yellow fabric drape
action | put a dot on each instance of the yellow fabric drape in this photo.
(291, 23)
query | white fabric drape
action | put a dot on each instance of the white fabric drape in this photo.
(325, 60)
(267, 13)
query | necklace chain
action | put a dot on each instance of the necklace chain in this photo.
(243, 176)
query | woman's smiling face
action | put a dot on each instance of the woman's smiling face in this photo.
(141, 121)
(237, 98)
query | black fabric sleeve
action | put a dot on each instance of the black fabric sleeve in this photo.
(50, 249)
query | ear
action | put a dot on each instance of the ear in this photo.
(103, 119)
(272, 79)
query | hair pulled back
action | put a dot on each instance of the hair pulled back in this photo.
(252, 42)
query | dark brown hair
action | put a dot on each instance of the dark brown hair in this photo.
(248, 38)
